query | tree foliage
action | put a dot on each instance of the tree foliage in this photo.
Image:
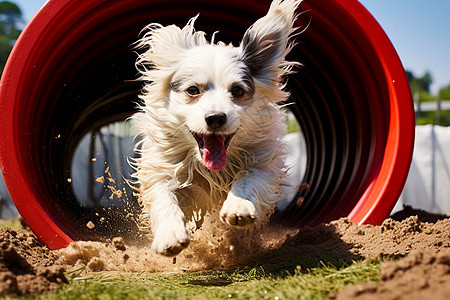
(419, 84)
(420, 87)
(10, 22)
(444, 95)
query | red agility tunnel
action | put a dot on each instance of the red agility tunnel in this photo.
(72, 69)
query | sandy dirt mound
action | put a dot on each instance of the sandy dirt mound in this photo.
(394, 238)
(26, 266)
(420, 275)
(422, 248)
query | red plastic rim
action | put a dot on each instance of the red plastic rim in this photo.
(352, 100)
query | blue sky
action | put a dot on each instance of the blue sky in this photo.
(419, 31)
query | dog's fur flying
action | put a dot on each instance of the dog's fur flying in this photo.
(210, 127)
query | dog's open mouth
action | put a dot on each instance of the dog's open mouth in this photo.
(213, 149)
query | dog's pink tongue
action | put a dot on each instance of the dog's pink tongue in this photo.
(214, 152)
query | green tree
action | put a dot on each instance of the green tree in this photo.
(444, 116)
(425, 81)
(10, 22)
(420, 84)
(444, 93)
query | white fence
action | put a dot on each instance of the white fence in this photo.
(428, 184)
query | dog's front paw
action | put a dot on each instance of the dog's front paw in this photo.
(238, 212)
(170, 240)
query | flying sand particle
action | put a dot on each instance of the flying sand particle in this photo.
(90, 225)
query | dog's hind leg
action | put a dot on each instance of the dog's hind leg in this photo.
(168, 223)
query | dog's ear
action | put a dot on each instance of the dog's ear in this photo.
(164, 45)
(266, 43)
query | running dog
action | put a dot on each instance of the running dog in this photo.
(210, 125)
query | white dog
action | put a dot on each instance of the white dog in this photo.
(211, 127)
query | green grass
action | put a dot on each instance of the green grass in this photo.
(12, 223)
(293, 126)
(254, 283)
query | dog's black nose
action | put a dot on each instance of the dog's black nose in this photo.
(216, 120)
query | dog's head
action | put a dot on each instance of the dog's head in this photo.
(213, 88)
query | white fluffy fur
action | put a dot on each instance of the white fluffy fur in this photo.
(173, 180)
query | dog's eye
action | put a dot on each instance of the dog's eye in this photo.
(237, 91)
(192, 91)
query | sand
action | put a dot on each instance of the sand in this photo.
(419, 242)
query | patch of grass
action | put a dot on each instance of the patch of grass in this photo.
(252, 283)
(292, 123)
(12, 223)
(293, 126)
